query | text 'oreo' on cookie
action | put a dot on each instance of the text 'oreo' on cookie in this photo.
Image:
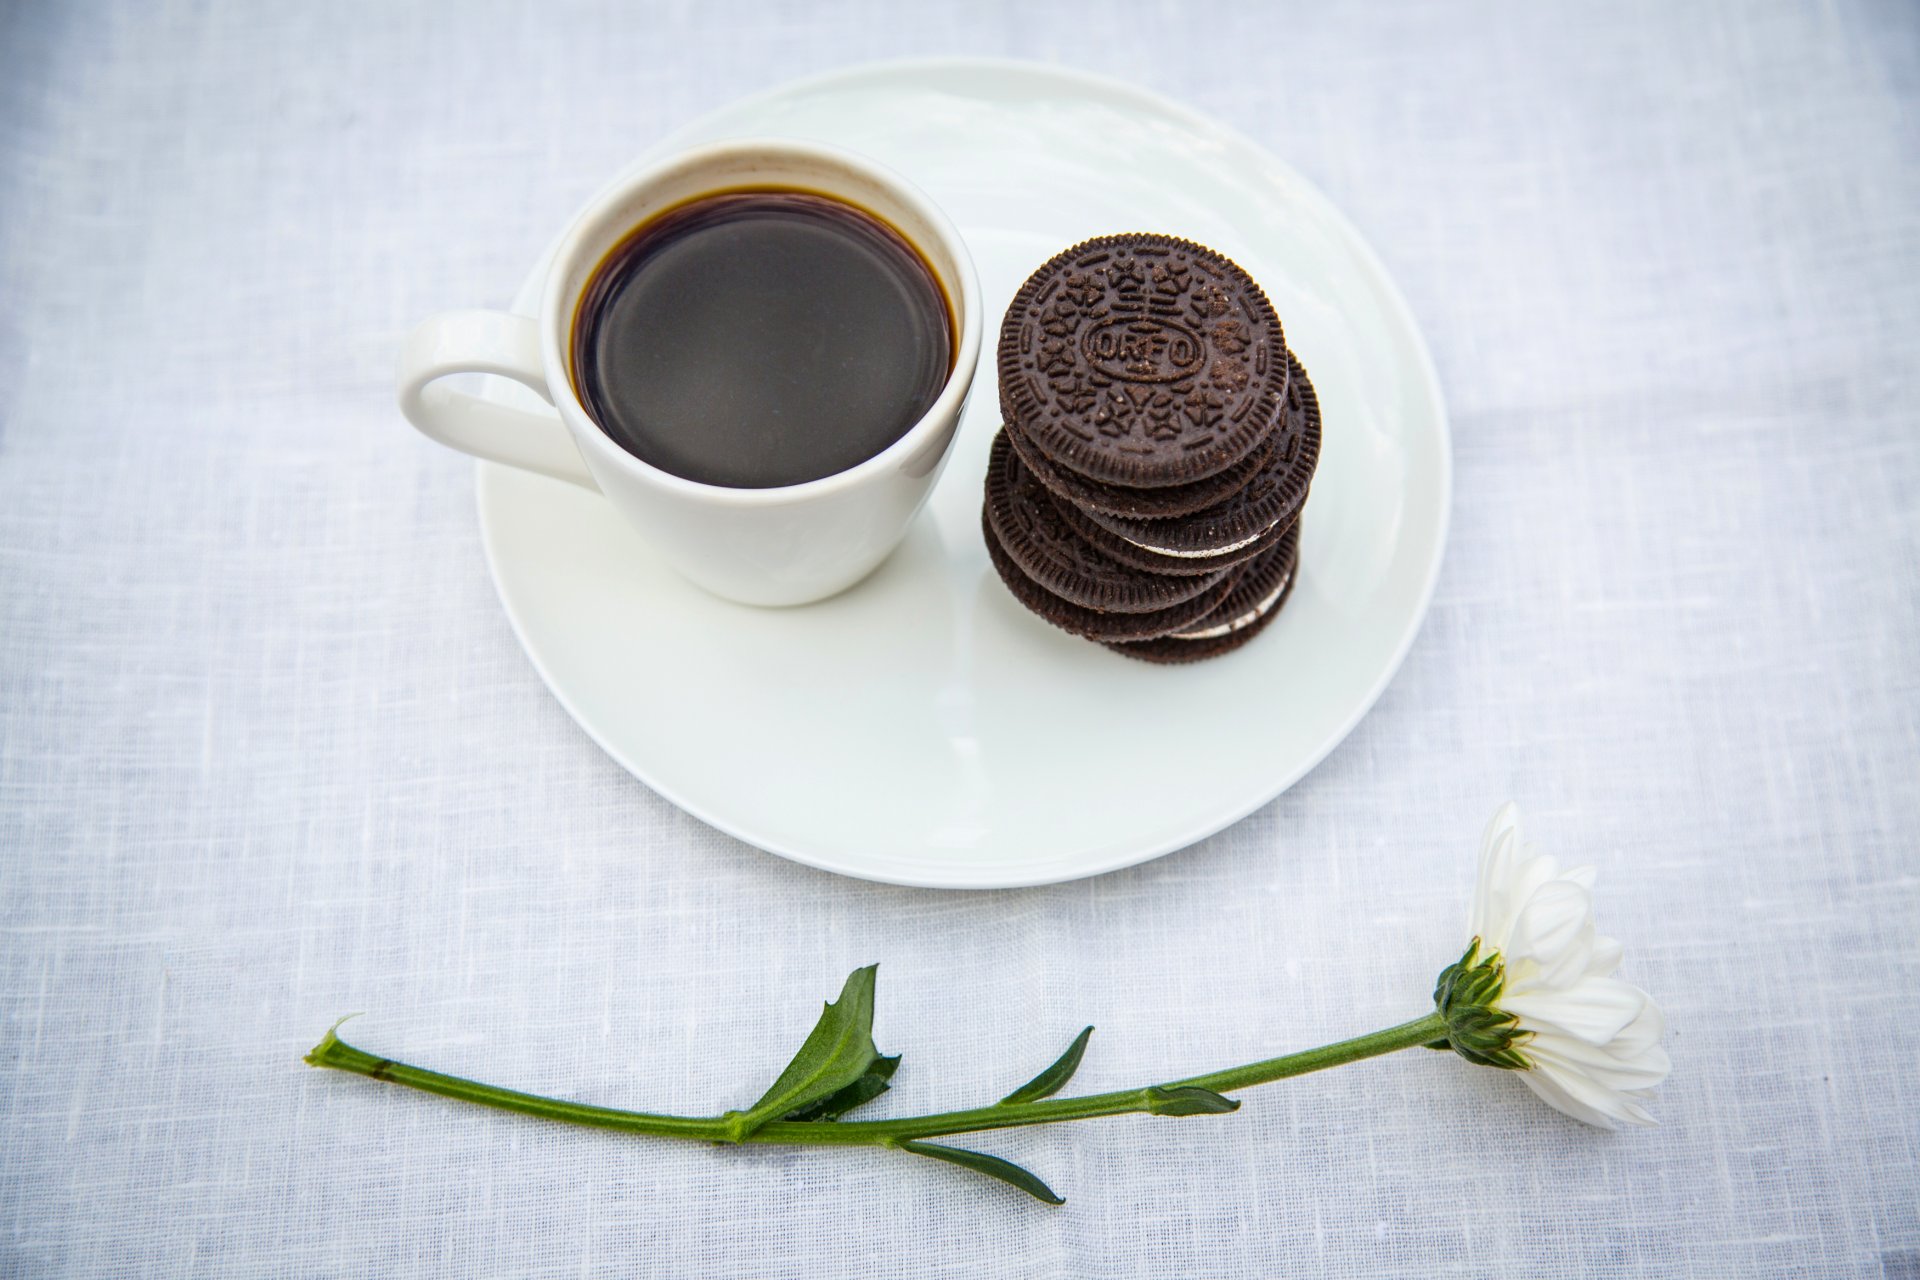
(1142, 360)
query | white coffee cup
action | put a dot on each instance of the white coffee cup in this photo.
(779, 546)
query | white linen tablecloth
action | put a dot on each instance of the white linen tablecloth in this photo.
(269, 753)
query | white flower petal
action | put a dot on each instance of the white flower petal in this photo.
(1549, 1091)
(1606, 956)
(1637, 1114)
(1582, 876)
(1643, 1033)
(1594, 1009)
(1580, 1087)
(1499, 851)
(1555, 931)
(1644, 1069)
(1530, 875)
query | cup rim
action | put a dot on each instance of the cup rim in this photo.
(557, 306)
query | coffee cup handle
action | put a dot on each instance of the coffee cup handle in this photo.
(496, 342)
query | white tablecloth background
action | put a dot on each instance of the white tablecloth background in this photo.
(269, 753)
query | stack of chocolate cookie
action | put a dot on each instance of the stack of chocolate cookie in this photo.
(1146, 489)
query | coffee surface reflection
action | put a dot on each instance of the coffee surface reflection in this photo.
(756, 339)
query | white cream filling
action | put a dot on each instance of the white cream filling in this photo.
(1246, 619)
(1202, 555)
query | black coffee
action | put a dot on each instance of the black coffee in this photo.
(761, 338)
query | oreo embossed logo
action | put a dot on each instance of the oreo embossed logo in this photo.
(1143, 349)
(1143, 361)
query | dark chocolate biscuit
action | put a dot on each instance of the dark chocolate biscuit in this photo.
(1118, 548)
(1249, 609)
(1167, 651)
(1142, 360)
(1092, 623)
(1256, 590)
(1272, 498)
(1029, 527)
(1145, 504)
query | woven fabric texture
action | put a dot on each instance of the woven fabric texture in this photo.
(269, 752)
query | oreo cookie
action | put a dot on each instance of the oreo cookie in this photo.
(1159, 442)
(1118, 548)
(1249, 609)
(1095, 624)
(1268, 502)
(1031, 530)
(1144, 361)
(1144, 504)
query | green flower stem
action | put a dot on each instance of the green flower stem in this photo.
(332, 1052)
(1407, 1035)
(341, 1056)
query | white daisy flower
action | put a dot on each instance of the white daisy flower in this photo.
(1535, 992)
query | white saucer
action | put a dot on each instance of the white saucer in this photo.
(923, 728)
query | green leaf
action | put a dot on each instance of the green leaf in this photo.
(837, 1054)
(1188, 1100)
(1050, 1081)
(993, 1166)
(859, 1093)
